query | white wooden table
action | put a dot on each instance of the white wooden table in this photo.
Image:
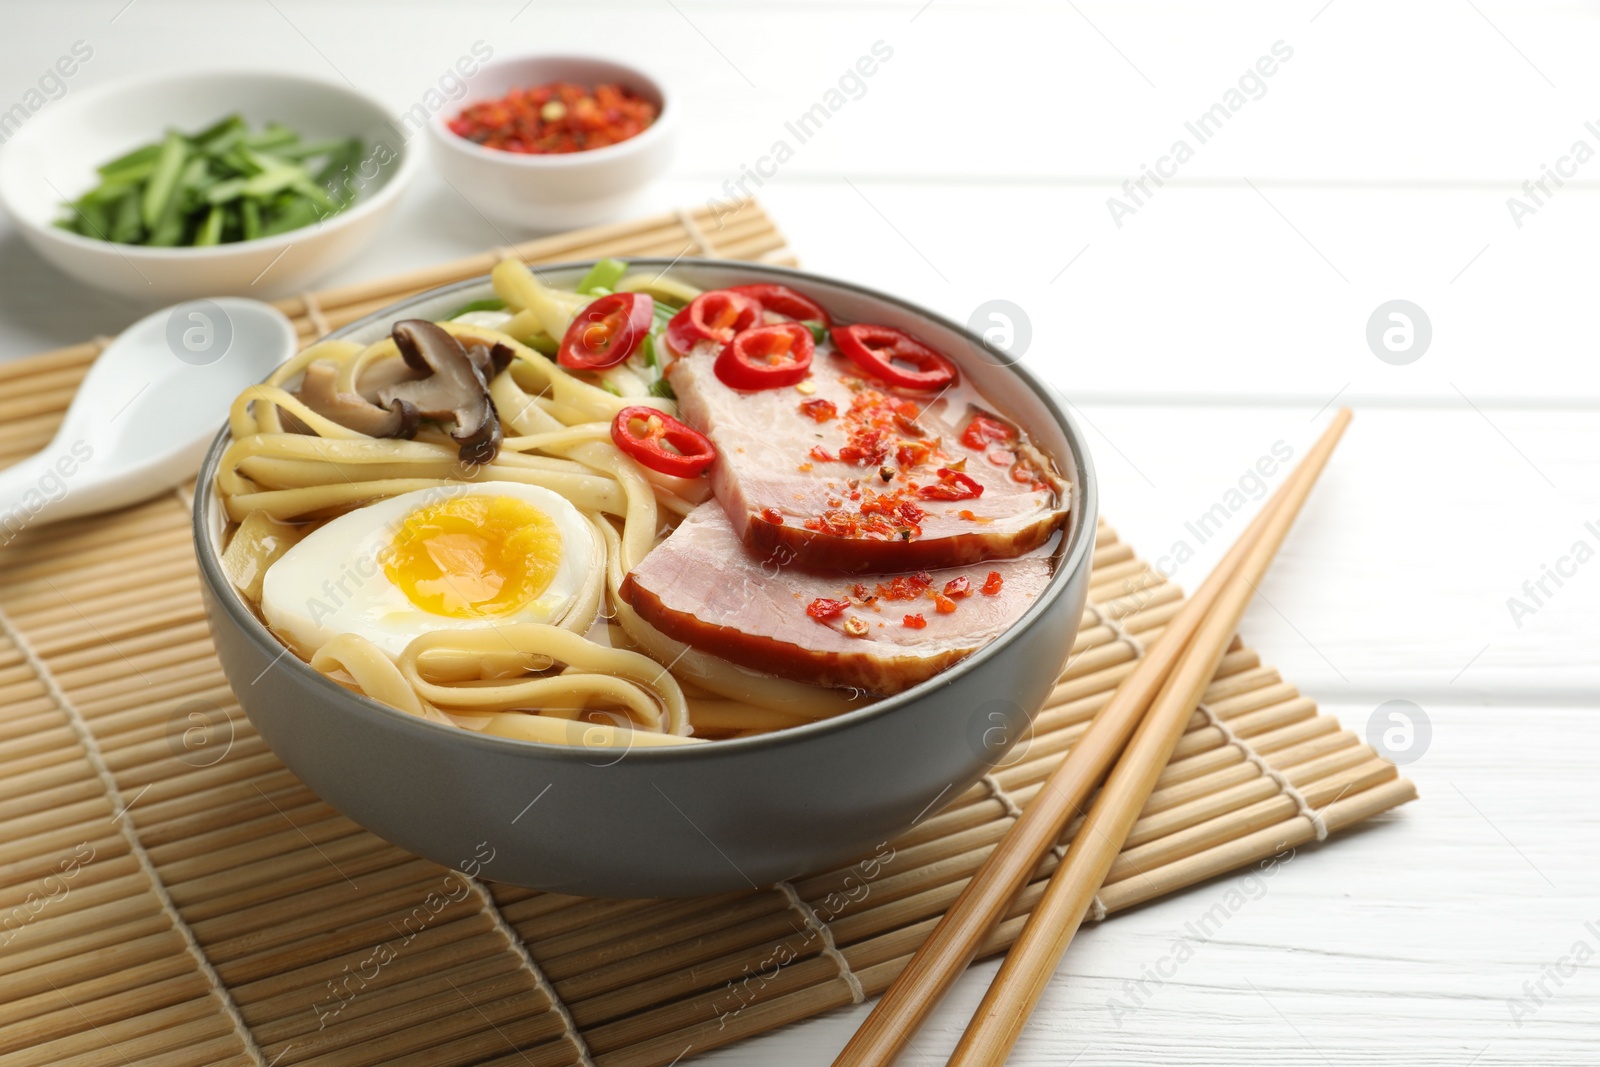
(1225, 314)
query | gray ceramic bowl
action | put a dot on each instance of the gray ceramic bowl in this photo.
(671, 821)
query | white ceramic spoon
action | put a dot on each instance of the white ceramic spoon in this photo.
(146, 410)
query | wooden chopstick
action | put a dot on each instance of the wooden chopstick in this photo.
(1033, 958)
(955, 940)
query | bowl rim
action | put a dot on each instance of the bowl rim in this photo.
(438, 123)
(1074, 555)
(408, 160)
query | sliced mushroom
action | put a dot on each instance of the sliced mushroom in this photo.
(490, 361)
(455, 390)
(319, 391)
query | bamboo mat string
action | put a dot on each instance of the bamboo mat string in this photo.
(697, 236)
(1119, 634)
(314, 315)
(541, 981)
(996, 790)
(96, 760)
(1319, 825)
(830, 948)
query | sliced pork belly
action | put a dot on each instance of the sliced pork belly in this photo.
(702, 587)
(841, 473)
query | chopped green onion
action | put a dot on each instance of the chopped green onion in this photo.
(317, 195)
(132, 174)
(139, 157)
(313, 149)
(273, 136)
(492, 304)
(172, 224)
(337, 163)
(819, 332)
(210, 230)
(223, 126)
(663, 389)
(126, 227)
(92, 221)
(603, 275)
(163, 184)
(249, 220)
(224, 191)
(110, 192)
(298, 214)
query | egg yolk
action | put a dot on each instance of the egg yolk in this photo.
(474, 557)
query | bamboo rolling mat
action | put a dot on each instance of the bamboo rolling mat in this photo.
(170, 894)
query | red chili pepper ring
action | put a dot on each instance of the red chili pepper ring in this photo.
(646, 433)
(606, 332)
(712, 316)
(885, 353)
(766, 357)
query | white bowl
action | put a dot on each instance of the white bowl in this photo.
(558, 191)
(53, 156)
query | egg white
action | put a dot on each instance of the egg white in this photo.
(333, 581)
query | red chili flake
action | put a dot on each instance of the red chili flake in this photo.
(895, 512)
(836, 523)
(906, 586)
(958, 587)
(823, 609)
(911, 453)
(866, 448)
(991, 584)
(916, 622)
(908, 424)
(819, 409)
(982, 431)
(772, 515)
(952, 485)
(943, 603)
(820, 453)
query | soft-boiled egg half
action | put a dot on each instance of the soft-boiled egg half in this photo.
(455, 557)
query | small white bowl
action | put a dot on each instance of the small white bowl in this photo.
(556, 191)
(53, 156)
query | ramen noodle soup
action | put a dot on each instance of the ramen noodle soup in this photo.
(632, 513)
